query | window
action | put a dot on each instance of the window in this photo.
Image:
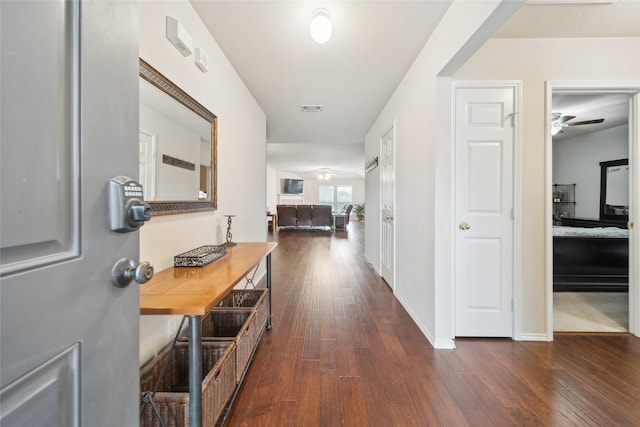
(325, 195)
(344, 196)
(335, 196)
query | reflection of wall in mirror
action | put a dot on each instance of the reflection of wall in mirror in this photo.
(618, 185)
(173, 183)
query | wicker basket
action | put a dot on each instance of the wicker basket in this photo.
(172, 398)
(237, 325)
(256, 299)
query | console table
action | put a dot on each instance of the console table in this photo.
(193, 292)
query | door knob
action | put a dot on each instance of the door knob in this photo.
(464, 226)
(125, 271)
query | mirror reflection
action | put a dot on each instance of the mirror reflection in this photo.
(177, 147)
(614, 190)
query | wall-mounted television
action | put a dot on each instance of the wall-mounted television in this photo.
(292, 186)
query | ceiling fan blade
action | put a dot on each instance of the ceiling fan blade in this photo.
(585, 122)
(564, 119)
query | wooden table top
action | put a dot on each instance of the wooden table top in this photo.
(195, 290)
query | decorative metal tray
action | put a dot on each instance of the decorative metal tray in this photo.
(199, 256)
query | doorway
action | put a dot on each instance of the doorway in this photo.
(590, 268)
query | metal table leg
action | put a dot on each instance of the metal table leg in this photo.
(195, 371)
(269, 325)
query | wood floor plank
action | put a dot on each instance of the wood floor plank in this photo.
(289, 374)
(331, 410)
(373, 389)
(308, 407)
(354, 409)
(344, 352)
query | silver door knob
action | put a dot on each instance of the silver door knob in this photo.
(464, 226)
(125, 271)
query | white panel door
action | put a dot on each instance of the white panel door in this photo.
(147, 172)
(69, 338)
(484, 138)
(388, 178)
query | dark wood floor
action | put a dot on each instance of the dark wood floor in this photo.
(343, 351)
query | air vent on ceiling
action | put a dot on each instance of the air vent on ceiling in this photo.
(311, 108)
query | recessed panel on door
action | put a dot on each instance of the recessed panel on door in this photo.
(485, 114)
(484, 162)
(484, 274)
(39, 208)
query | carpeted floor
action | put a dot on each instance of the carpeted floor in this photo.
(590, 311)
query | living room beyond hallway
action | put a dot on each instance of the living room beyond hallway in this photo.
(344, 352)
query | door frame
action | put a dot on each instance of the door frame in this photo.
(632, 88)
(516, 85)
(392, 126)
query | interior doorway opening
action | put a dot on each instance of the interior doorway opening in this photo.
(590, 273)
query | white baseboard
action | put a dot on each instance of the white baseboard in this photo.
(435, 344)
(532, 337)
(372, 265)
(445, 345)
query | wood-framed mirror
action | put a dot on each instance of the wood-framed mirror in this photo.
(178, 147)
(614, 190)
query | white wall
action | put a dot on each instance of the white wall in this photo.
(241, 153)
(272, 189)
(535, 61)
(577, 161)
(414, 109)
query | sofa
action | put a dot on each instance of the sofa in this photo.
(304, 216)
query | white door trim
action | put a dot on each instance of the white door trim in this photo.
(517, 186)
(631, 87)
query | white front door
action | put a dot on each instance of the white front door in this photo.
(388, 178)
(484, 144)
(69, 338)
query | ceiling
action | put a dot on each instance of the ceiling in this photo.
(353, 75)
(619, 19)
(613, 108)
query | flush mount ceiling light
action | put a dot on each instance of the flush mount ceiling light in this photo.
(320, 26)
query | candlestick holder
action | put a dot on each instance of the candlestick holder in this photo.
(229, 235)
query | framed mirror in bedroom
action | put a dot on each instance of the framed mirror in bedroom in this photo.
(614, 190)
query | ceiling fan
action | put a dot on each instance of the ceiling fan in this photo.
(325, 174)
(558, 122)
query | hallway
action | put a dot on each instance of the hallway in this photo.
(343, 351)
